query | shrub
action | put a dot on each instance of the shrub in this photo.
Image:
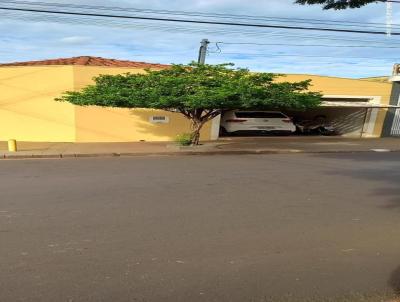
(184, 139)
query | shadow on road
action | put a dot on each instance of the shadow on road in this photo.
(379, 167)
(394, 281)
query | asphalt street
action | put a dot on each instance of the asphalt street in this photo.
(205, 228)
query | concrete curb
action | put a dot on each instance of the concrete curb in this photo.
(182, 153)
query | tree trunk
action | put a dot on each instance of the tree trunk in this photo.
(196, 127)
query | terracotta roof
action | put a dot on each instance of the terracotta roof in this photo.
(87, 61)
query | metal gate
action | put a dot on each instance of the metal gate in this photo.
(395, 131)
(396, 124)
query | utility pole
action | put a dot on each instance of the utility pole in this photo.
(389, 18)
(203, 51)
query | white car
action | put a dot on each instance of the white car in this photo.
(256, 121)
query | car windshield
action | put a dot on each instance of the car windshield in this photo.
(259, 114)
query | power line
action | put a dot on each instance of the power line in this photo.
(247, 43)
(330, 38)
(305, 56)
(75, 21)
(188, 13)
(306, 45)
(254, 25)
(220, 31)
(168, 28)
(198, 14)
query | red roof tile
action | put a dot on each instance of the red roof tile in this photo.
(88, 61)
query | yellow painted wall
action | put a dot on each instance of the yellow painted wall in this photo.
(97, 124)
(343, 86)
(28, 111)
(351, 87)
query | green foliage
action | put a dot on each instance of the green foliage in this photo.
(184, 139)
(199, 92)
(339, 4)
(206, 87)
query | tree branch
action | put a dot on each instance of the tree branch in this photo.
(185, 113)
(211, 114)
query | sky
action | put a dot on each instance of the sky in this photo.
(29, 36)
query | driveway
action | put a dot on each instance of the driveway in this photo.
(309, 143)
(208, 228)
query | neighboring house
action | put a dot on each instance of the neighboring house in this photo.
(391, 126)
(28, 111)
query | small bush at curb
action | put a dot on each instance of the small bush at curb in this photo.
(184, 139)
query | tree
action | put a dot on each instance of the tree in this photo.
(339, 4)
(199, 92)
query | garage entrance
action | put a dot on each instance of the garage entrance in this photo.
(348, 122)
(348, 116)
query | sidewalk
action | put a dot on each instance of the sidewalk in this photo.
(312, 144)
(236, 145)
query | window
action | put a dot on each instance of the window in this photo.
(159, 119)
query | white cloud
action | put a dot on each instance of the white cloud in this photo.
(76, 40)
(177, 43)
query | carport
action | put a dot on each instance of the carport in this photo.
(350, 116)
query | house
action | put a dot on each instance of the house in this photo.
(391, 126)
(28, 111)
